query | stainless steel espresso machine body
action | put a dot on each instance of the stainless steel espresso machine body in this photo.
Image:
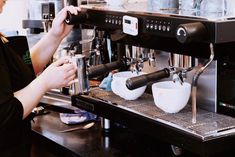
(191, 44)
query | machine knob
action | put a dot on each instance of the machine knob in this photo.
(75, 19)
(190, 32)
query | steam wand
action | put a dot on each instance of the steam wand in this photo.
(195, 82)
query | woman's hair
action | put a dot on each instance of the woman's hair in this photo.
(3, 38)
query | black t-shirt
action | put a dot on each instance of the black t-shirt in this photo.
(15, 73)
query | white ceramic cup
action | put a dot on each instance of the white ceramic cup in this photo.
(171, 97)
(119, 88)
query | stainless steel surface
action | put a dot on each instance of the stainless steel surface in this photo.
(207, 87)
(181, 61)
(137, 59)
(209, 125)
(105, 123)
(81, 84)
(195, 82)
(57, 99)
(47, 24)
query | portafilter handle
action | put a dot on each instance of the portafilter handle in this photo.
(142, 80)
(104, 68)
(76, 19)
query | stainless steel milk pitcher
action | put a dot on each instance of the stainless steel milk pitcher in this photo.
(81, 84)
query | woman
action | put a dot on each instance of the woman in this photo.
(20, 91)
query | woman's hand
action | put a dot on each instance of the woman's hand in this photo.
(59, 74)
(59, 28)
(42, 52)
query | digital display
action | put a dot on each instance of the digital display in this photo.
(127, 21)
(130, 25)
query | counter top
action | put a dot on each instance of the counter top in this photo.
(93, 142)
(119, 142)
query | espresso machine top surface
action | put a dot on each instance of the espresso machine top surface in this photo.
(185, 25)
(143, 8)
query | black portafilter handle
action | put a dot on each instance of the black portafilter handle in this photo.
(142, 80)
(191, 32)
(101, 69)
(76, 19)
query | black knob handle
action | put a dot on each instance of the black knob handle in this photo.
(103, 68)
(190, 32)
(139, 81)
(75, 19)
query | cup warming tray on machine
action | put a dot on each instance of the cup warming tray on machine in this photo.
(157, 29)
(211, 129)
(161, 23)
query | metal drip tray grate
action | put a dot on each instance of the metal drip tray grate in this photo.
(209, 125)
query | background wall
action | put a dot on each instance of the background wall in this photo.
(13, 13)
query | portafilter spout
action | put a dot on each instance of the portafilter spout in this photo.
(180, 65)
(135, 57)
(195, 82)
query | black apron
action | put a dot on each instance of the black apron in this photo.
(16, 64)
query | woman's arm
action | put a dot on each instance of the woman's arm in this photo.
(57, 75)
(42, 52)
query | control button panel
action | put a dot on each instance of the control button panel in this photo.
(157, 26)
(113, 20)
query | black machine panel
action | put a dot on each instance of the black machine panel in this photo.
(216, 30)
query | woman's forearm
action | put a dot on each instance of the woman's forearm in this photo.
(31, 95)
(42, 52)
(56, 75)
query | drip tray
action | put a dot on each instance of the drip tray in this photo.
(209, 125)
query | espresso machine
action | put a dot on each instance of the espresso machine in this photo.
(40, 15)
(171, 44)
